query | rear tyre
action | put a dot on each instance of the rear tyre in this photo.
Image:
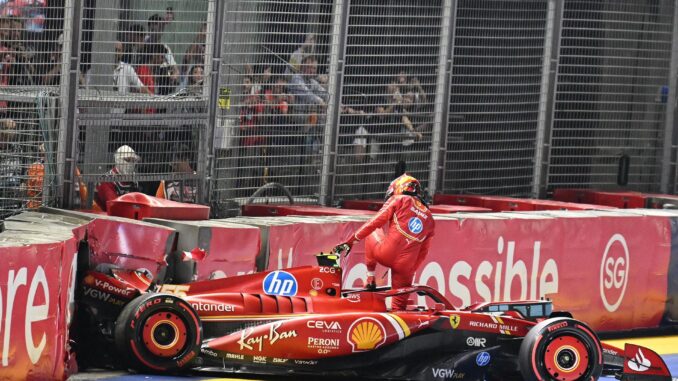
(561, 349)
(158, 332)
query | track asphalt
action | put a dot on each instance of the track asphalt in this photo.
(667, 346)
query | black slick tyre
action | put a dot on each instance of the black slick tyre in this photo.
(158, 332)
(560, 349)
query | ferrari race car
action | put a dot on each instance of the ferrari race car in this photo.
(300, 321)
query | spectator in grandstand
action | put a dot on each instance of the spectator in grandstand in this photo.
(262, 79)
(35, 180)
(413, 85)
(252, 154)
(125, 164)
(305, 87)
(125, 78)
(297, 58)
(311, 100)
(180, 190)
(251, 112)
(167, 74)
(53, 69)
(398, 236)
(195, 80)
(10, 168)
(21, 70)
(195, 54)
(277, 110)
(385, 128)
(133, 43)
(151, 57)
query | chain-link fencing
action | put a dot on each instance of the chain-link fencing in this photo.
(207, 101)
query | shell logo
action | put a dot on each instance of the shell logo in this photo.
(366, 334)
(89, 279)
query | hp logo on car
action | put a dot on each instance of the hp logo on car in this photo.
(280, 283)
(415, 225)
(483, 358)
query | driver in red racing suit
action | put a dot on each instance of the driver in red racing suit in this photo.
(405, 244)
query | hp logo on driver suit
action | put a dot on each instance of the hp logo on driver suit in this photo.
(415, 225)
(614, 272)
(280, 283)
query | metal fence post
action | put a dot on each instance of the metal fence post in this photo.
(547, 97)
(70, 64)
(335, 86)
(442, 109)
(669, 129)
(207, 155)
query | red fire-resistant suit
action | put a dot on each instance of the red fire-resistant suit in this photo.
(405, 244)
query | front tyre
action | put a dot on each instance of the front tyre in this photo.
(158, 332)
(561, 349)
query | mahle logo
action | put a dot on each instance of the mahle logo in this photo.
(614, 272)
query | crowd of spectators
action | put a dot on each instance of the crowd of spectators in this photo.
(282, 104)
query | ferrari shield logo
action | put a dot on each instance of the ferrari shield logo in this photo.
(454, 321)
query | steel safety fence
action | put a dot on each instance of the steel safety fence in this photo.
(611, 94)
(141, 102)
(495, 96)
(31, 42)
(273, 98)
(389, 89)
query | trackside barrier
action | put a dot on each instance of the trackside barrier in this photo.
(231, 248)
(618, 199)
(503, 204)
(609, 268)
(269, 210)
(37, 285)
(614, 269)
(441, 209)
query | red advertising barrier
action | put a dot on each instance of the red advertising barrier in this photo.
(624, 200)
(129, 244)
(264, 210)
(608, 271)
(437, 209)
(297, 244)
(138, 206)
(509, 204)
(574, 195)
(36, 306)
(617, 199)
(232, 249)
(454, 199)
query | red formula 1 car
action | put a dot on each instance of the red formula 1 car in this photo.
(300, 321)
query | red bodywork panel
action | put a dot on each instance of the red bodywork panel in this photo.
(138, 206)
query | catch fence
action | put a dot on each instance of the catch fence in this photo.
(334, 98)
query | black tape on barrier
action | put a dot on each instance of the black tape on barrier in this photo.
(672, 290)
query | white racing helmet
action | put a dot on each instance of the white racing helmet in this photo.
(125, 160)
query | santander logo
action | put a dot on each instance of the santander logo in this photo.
(614, 272)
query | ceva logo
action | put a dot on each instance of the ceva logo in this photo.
(280, 283)
(614, 272)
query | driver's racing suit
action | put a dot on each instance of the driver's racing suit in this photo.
(405, 244)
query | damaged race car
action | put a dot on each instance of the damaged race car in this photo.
(301, 321)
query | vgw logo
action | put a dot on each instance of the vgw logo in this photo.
(614, 272)
(415, 225)
(280, 283)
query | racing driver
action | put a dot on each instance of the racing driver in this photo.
(405, 244)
